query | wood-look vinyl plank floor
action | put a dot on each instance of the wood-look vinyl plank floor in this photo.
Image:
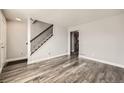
(64, 69)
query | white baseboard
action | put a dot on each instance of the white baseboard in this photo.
(43, 59)
(14, 59)
(102, 61)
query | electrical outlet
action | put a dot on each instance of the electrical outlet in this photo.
(82, 53)
(92, 54)
(49, 53)
(21, 53)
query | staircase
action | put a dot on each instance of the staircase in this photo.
(41, 38)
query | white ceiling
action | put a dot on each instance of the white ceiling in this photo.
(62, 17)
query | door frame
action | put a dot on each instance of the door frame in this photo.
(2, 40)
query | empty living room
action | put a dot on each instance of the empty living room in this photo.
(61, 46)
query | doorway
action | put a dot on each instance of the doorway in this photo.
(74, 43)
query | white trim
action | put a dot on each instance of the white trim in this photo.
(29, 37)
(14, 59)
(102, 61)
(43, 59)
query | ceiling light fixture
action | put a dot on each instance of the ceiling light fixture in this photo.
(18, 19)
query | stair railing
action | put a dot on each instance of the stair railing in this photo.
(41, 38)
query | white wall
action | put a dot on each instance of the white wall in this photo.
(16, 40)
(55, 46)
(102, 39)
